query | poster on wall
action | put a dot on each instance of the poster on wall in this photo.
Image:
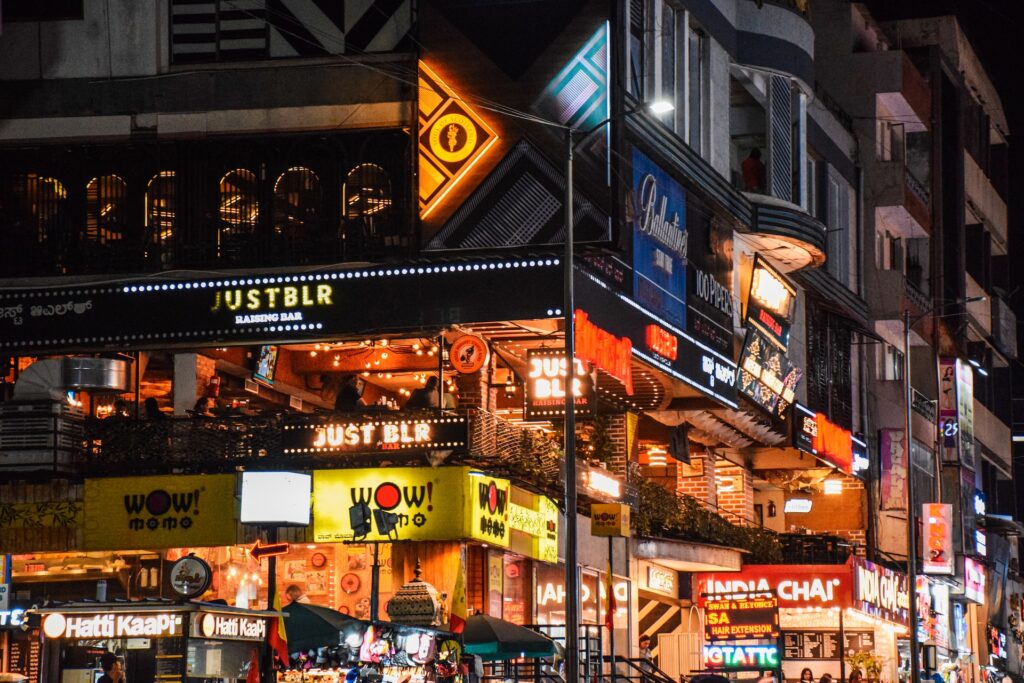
(660, 241)
(956, 411)
(709, 293)
(937, 538)
(893, 458)
(766, 375)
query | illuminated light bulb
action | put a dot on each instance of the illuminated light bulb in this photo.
(367, 365)
(384, 356)
(416, 347)
(380, 374)
(419, 352)
(388, 375)
(336, 363)
(376, 362)
(368, 342)
(423, 380)
(434, 349)
(312, 354)
(430, 353)
(365, 373)
(383, 342)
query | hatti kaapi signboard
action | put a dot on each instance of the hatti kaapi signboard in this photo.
(228, 627)
(739, 619)
(112, 625)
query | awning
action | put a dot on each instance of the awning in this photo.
(686, 556)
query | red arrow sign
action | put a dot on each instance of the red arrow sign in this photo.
(258, 551)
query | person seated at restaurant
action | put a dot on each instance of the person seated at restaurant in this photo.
(296, 594)
(153, 411)
(202, 408)
(425, 396)
(348, 399)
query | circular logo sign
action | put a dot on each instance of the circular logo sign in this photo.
(190, 576)
(453, 138)
(54, 625)
(209, 625)
(468, 354)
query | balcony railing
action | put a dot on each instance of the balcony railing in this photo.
(815, 549)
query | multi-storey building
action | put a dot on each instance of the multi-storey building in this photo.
(239, 234)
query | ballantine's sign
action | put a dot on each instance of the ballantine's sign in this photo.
(653, 220)
(94, 626)
(881, 591)
(612, 354)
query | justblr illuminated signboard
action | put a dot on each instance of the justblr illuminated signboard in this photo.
(741, 657)
(369, 435)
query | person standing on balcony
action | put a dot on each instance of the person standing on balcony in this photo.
(754, 174)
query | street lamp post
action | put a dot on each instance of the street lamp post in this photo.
(572, 614)
(915, 668)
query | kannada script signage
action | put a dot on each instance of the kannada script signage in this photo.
(128, 513)
(937, 538)
(539, 520)
(369, 435)
(274, 308)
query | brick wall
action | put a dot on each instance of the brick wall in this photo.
(617, 434)
(737, 505)
(701, 487)
(475, 391)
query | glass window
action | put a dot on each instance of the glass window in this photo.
(219, 660)
(161, 214)
(697, 99)
(105, 209)
(367, 202)
(239, 211)
(296, 202)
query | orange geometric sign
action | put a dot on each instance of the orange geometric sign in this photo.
(452, 138)
(610, 353)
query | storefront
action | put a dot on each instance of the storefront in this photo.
(19, 644)
(153, 642)
(832, 618)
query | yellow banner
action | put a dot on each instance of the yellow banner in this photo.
(129, 513)
(488, 513)
(430, 503)
(609, 519)
(539, 520)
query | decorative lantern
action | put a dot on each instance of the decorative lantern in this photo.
(417, 603)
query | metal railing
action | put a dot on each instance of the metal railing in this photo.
(815, 549)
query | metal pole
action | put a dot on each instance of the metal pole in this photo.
(268, 660)
(915, 666)
(375, 584)
(611, 617)
(842, 647)
(572, 662)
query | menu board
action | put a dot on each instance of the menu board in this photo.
(25, 654)
(824, 644)
(810, 645)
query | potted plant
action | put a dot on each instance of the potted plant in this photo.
(867, 663)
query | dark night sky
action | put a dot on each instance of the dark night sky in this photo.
(996, 30)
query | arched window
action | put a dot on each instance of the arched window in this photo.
(239, 212)
(35, 229)
(367, 192)
(161, 215)
(105, 209)
(296, 202)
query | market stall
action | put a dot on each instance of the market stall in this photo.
(154, 641)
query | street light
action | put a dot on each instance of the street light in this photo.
(572, 618)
